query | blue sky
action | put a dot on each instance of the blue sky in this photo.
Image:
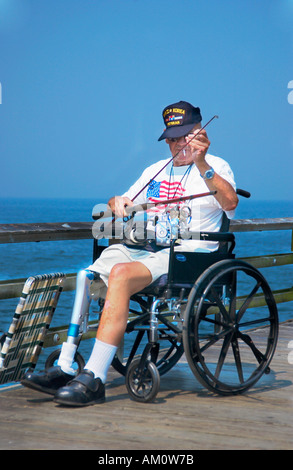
(84, 82)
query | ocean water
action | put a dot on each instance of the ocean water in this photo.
(22, 260)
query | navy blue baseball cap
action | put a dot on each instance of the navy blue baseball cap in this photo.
(179, 118)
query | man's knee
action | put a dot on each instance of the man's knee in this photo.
(120, 272)
(130, 277)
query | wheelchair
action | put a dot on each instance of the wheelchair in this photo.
(217, 310)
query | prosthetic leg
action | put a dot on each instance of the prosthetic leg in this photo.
(102, 353)
(80, 313)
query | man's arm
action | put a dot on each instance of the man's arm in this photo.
(226, 195)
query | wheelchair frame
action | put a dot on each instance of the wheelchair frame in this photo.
(216, 309)
(225, 350)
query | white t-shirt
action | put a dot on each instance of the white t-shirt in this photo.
(172, 182)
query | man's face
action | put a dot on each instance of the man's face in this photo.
(184, 157)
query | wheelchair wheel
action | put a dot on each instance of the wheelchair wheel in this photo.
(136, 337)
(142, 385)
(52, 359)
(230, 327)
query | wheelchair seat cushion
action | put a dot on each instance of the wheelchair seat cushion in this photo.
(157, 287)
(157, 263)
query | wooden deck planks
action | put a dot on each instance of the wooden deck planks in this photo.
(185, 416)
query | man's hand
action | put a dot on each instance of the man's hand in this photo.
(117, 205)
(198, 146)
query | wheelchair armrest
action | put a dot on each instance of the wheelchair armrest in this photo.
(213, 236)
(217, 236)
(226, 237)
(222, 237)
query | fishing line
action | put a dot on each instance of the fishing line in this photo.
(171, 159)
(103, 213)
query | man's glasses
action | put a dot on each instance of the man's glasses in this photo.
(176, 139)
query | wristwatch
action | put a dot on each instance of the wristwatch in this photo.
(208, 175)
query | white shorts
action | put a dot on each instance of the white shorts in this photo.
(157, 263)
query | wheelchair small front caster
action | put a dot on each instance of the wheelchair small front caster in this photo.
(142, 385)
(52, 360)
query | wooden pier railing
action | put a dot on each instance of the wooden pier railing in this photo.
(22, 233)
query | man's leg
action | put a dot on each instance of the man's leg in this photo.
(125, 279)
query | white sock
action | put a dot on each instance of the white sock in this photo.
(66, 358)
(101, 358)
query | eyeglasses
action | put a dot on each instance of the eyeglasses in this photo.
(176, 139)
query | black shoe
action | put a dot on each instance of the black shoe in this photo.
(47, 381)
(83, 390)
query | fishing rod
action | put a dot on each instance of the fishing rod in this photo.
(171, 159)
(131, 210)
(148, 205)
(97, 216)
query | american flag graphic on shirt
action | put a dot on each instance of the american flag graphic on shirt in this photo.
(164, 190)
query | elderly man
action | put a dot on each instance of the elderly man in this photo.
(128, 269)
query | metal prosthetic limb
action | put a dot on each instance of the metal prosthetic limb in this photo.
(79, 315)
